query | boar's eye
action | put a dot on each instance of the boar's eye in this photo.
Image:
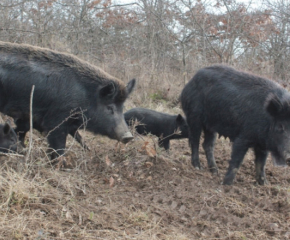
(280, 127)
(110, 109)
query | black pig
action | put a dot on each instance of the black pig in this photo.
(253, 112)
(8, 138)
(69, 93)
(160, 124)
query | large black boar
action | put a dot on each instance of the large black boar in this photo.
(69, 93)
(160, 124)
(8, 138)
(250, 110)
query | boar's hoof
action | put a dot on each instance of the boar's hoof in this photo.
(214, 170)
(230, 176)
(127, 137)
(196, 164)
(228, 180)
(61, 163)
(262, 181)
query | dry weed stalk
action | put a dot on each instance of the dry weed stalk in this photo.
(30, 124)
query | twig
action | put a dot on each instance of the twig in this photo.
(31, 125)
(11, 154)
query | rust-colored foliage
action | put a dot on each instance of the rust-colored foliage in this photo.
(46, 4)
(150, 151)
(116, 17)
(93, 3)
(226, 28)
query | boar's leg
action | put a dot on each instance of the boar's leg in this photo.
(194, 136)
(164, 143)
(239, 149)
(76, 135)
(22, 127)
(56, 141)
(260, 161)
(208, 146)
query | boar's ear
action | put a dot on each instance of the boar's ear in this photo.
(130, 86)
(6, 128)
(108, 91)
(179, 119)
(274, 106)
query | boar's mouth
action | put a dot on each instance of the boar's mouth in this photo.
(127, 137)
(280, 160)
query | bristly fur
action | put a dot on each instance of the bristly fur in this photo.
(63, 84)
(252, 111)
(89, 73)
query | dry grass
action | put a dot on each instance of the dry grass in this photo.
(120, 192)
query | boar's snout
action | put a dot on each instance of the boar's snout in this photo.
(127, 137)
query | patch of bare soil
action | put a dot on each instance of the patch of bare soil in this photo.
(139, 191)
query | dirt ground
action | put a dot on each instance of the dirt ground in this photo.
(139, 191)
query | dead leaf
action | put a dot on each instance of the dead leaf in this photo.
(173, 205)
(117, 146)
(149, 178)
(149, 164)
(112, 181)
(131, 174)
(106, 181)
(69, 216)
(144, 145)
(150, 151)
(182, 209)
(108, 161)
(80, 220)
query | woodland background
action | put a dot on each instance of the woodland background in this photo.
(160, 42)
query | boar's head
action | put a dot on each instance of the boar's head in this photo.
(108, 116)
(8, 138)
(279, 132)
